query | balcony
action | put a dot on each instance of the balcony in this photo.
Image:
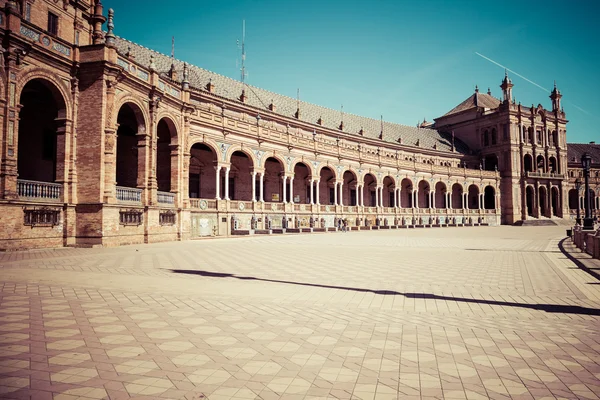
(129, 195)
(165, 198)
(39, 191)
(539, 174)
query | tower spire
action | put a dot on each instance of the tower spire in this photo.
(506, 87)
(555, 96)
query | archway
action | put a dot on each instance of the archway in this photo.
(388, 195)
(457, 196)
(423, 195)
(555, 201)
(542, 199)
(129, 140)
(540, 164)
(528, 163)
(489, 198)
(406, 193)
(349, 188)
(240, 177)
(202, 175)
(166, 161)
(273, 183)
(490, 162)
(529, 200)
(473, 197)
(369, 188)
(326, 186)
(573, 199)
(440, 195)
(41, 121)
(301, 183)
(552, 165)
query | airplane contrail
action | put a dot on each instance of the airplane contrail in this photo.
(528, 80)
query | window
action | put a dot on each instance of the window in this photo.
(27, 12)
(53, 23)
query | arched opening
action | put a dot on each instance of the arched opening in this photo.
(541, 164)
(592, 195)
(131, 126)
(490, 162)
(369, 188)
(530, 134)
(349, 188)
(555, 201)
(166, 163)
(240, 177)
(202, 179)
(473, 197)
(388, 192)
(423, 195)
(494, 136)
(486, 138)
(440, 195)
(273, 183)
(406, 193)
(554, 140)
(528, 163)
(457, 196)
(529, 200)
(326, 186)
(489, 198)
(552, 165)
(573, 199)
(41, 121)
(301, 183)
(542, 199)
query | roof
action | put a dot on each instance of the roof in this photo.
(260, 98)
(576, 150)
(475, 100)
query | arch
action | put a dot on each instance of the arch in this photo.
(307, 164)
(388, 192)
(542, 201)
(239, 179)
(489, 198)
(423, 194)
(486, 138)
(494, 136)
(139, 107)
(457, 196)
(369, 190)
(440, 195)
(573, 199)
(41, 127)
(540, 163)
(302, 181)
(473, 197)
(326, 185)
(349, 189)
(555, 201)
(55, 84)
(273, 182)
(527, 163)
(529, 198)
(552, 166)
(202, 174)
(406, 193)
(166, 163)
(130, 142)
(490, 162)
(236, 147)
(277, 157)
(211, 144)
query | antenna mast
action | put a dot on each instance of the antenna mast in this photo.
(243, 69)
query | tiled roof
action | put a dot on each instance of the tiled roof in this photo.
(287, 106)
(475, 100)
(576, 150)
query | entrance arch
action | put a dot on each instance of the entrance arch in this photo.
(302, 183)
(40, 142)
(529, 200)
(528, 163)
(349, 188)
(473, 197)
(240, 177)
(457, 196)
(440, 195)
(573, 200)
(542, 199)
(326, 186)
(406, 197)
(555, 199)
(166, 160)
(388, 194)
(202, 175)
(489, 198)
(540, 164)
(369, 188)
(131, 124)
(423, 195)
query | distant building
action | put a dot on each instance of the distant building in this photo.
(106, 142)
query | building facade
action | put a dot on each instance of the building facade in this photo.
(105, 142)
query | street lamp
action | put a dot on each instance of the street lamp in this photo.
(577, 188)
(586, 163)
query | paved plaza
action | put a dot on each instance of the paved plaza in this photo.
(453, 313)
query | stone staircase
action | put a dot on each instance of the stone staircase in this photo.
(544, 221)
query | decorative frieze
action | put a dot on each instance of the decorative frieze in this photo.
(41, 216)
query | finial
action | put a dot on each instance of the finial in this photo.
(128, 54)
(555, 84)
(152, 66)
(489, 91)
(476, 89)
(110, 36)
(505, 73)
(186, 78)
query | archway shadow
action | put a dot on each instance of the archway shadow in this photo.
(551, 308)
(575, 261)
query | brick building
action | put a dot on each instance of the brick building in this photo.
(105, 142)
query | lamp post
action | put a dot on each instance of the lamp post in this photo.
(586, 163)
(577, 188)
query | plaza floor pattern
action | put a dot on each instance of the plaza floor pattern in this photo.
(454, 313)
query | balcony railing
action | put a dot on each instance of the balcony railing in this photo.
(540, 174)
(203, 204)
(165, 197)
(129, 195)
(42, 191)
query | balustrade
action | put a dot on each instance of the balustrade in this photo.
(130, 195)
(165, 197)
(33, 190)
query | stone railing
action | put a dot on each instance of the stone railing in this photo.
(540, 174)
(40, 191)
(203, 204)
(165, 197)
(129, 195)
(587, 241)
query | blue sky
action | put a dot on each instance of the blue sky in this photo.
(403, 60)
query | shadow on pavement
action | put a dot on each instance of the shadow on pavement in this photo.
(580, 265)
(551, 308)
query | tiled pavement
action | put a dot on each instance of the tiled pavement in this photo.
(454, 313)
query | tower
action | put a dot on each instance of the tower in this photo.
(555, 96)
(506, 87)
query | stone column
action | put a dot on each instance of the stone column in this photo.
(226, 183)
(342, 194)
(283, 195)
(262, 186)
(357, 194)
(218, 183)
(318, 200)
(292, 189)
(253, 185)
(312, 191)
(376, 197)
(335, 193)
(432, 201)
